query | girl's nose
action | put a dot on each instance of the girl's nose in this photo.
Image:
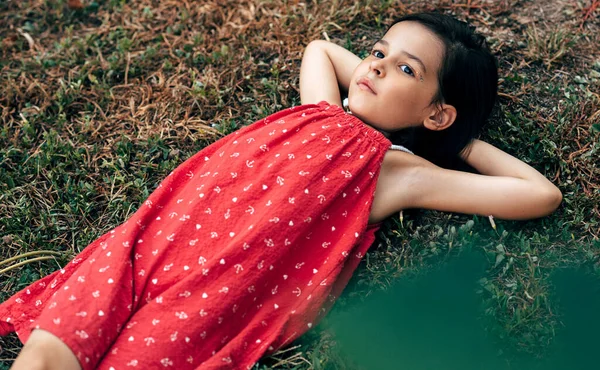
(377, 66)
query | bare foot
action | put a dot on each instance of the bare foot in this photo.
(44, 351)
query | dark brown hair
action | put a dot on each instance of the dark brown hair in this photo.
(468, 80)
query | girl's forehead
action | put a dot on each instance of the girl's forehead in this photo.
(415, 39)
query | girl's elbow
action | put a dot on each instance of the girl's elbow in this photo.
(557, 197)
(552, 199)
(542, 202)
(315, 44)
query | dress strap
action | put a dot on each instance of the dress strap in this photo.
(401, 148)
(345, 105)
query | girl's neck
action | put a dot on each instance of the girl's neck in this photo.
(347, 109)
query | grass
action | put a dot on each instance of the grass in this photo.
(100, 103)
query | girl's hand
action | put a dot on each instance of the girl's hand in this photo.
(325, 69)
(507, 187)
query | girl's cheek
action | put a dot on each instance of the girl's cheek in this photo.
(410, 98)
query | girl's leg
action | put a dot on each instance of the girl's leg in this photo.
(44, 351)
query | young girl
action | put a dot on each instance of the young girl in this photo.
(244, 247)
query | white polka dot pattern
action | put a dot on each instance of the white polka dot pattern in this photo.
(239, 251)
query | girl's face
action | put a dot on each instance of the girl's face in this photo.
(393, 87)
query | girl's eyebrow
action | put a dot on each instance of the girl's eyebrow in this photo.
(411, 56)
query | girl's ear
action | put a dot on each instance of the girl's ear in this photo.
(441, 117)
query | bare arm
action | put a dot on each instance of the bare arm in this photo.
(325, 69)
(491, 161)
(507, 187)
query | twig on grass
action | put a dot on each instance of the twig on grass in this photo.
(127, 68)
(588, 11)
(28, 254)
(24, 263)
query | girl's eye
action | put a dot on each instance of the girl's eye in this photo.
(377, 54)
(406, 69)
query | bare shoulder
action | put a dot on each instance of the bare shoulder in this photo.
(401, 160)
(396, 185)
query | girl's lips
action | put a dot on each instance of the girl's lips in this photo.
(365, 84)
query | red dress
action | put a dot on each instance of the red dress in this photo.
(239, 251)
